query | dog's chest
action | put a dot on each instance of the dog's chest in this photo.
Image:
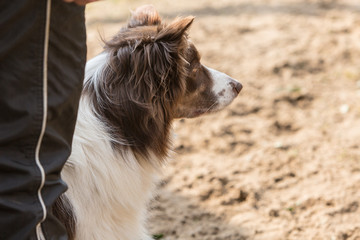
(108, 192)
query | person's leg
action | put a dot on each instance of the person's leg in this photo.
(41, 72)
(66, 63)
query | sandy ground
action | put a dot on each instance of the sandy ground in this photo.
(283, 161)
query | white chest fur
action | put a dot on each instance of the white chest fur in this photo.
(108, 191)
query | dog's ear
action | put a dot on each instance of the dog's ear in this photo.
(175, 30)
(144, 16)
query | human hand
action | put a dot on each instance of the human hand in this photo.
(81, 2)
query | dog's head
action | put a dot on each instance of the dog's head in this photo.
(165, 67)
(153, 75)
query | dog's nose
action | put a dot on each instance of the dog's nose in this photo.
(236, 86)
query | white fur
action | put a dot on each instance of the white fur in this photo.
(222, 89)
(94, 67)
(109, 194)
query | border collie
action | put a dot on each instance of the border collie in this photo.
(148, 75)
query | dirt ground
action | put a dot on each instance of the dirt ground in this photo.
(283, 160)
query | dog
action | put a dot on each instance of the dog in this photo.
(148, 75)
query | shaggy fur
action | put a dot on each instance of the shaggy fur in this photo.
(148, 74)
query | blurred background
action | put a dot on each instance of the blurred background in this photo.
(283, 161)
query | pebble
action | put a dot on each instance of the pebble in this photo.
(344, 108)
(278, 145)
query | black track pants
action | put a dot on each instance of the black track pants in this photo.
(42, 59)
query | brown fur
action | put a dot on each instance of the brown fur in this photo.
(145, 79)
(198, 97)
(62, 209)
(144, 16)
